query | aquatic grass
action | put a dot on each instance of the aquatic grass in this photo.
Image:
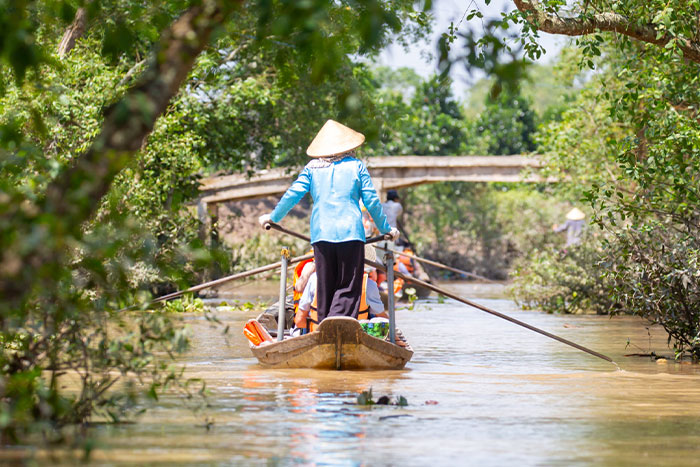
(186, 304)
(412, 297)
(365, 398)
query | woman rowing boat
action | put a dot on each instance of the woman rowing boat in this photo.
(337, 181)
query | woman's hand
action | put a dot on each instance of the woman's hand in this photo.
(264, 220)
(395, 234)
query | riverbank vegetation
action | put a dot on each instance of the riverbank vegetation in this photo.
(110, 112)
(628, 145)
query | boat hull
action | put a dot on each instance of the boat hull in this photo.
(340, 343)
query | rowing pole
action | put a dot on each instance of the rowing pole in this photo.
(493, 312)
(458, 298)
(436, 264)
(240, 275)
(272, 225)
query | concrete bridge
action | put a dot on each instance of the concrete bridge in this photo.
(388, 172)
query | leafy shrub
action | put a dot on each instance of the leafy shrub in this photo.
(563, 280)
(660, 281)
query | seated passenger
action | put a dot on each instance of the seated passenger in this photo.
(400, 266)
(302, 273)
(398, 282)
(371, 297)
(306, 319)
(308, 297)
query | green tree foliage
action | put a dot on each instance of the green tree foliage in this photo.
(635, 143)
(417, 117)
(653, 206)
(548, 89)
(555, 279)
(507, 124)
(671, 25)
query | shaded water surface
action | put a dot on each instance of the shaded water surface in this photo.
(481, 391)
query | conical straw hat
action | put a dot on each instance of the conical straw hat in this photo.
(334, 138)
(575, 215)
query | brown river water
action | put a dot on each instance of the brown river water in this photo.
(481, 391)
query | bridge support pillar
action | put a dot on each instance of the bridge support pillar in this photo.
(208, 215)
(379, 186)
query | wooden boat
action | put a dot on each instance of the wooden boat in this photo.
(340, 343)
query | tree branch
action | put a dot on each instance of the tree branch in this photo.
(132, 71)
(609, 21)
(73, 33)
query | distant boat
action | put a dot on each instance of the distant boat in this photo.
(340, 343)
(420, 293)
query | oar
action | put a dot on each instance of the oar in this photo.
(493, 312)
(233, 277)
(465, 301)
(439, 265)
(272, 225)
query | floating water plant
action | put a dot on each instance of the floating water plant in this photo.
(365, 398)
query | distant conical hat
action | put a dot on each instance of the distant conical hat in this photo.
(575, 215)
(334, 138)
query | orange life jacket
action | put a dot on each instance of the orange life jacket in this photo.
(297, 273)
(406, 260)
(312, 319)
(398, 285)
(398, 282)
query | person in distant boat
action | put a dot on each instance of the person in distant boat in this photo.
(404, 262)
(371, 305)
(392, 208)
(337, 181)
(573, 226)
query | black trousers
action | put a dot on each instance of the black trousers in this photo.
(339, 271)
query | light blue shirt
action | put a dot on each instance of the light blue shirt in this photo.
(393, 210)
(336, 190)
(374, 300)
(573, 231)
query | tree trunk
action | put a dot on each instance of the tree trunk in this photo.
(73, 33)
